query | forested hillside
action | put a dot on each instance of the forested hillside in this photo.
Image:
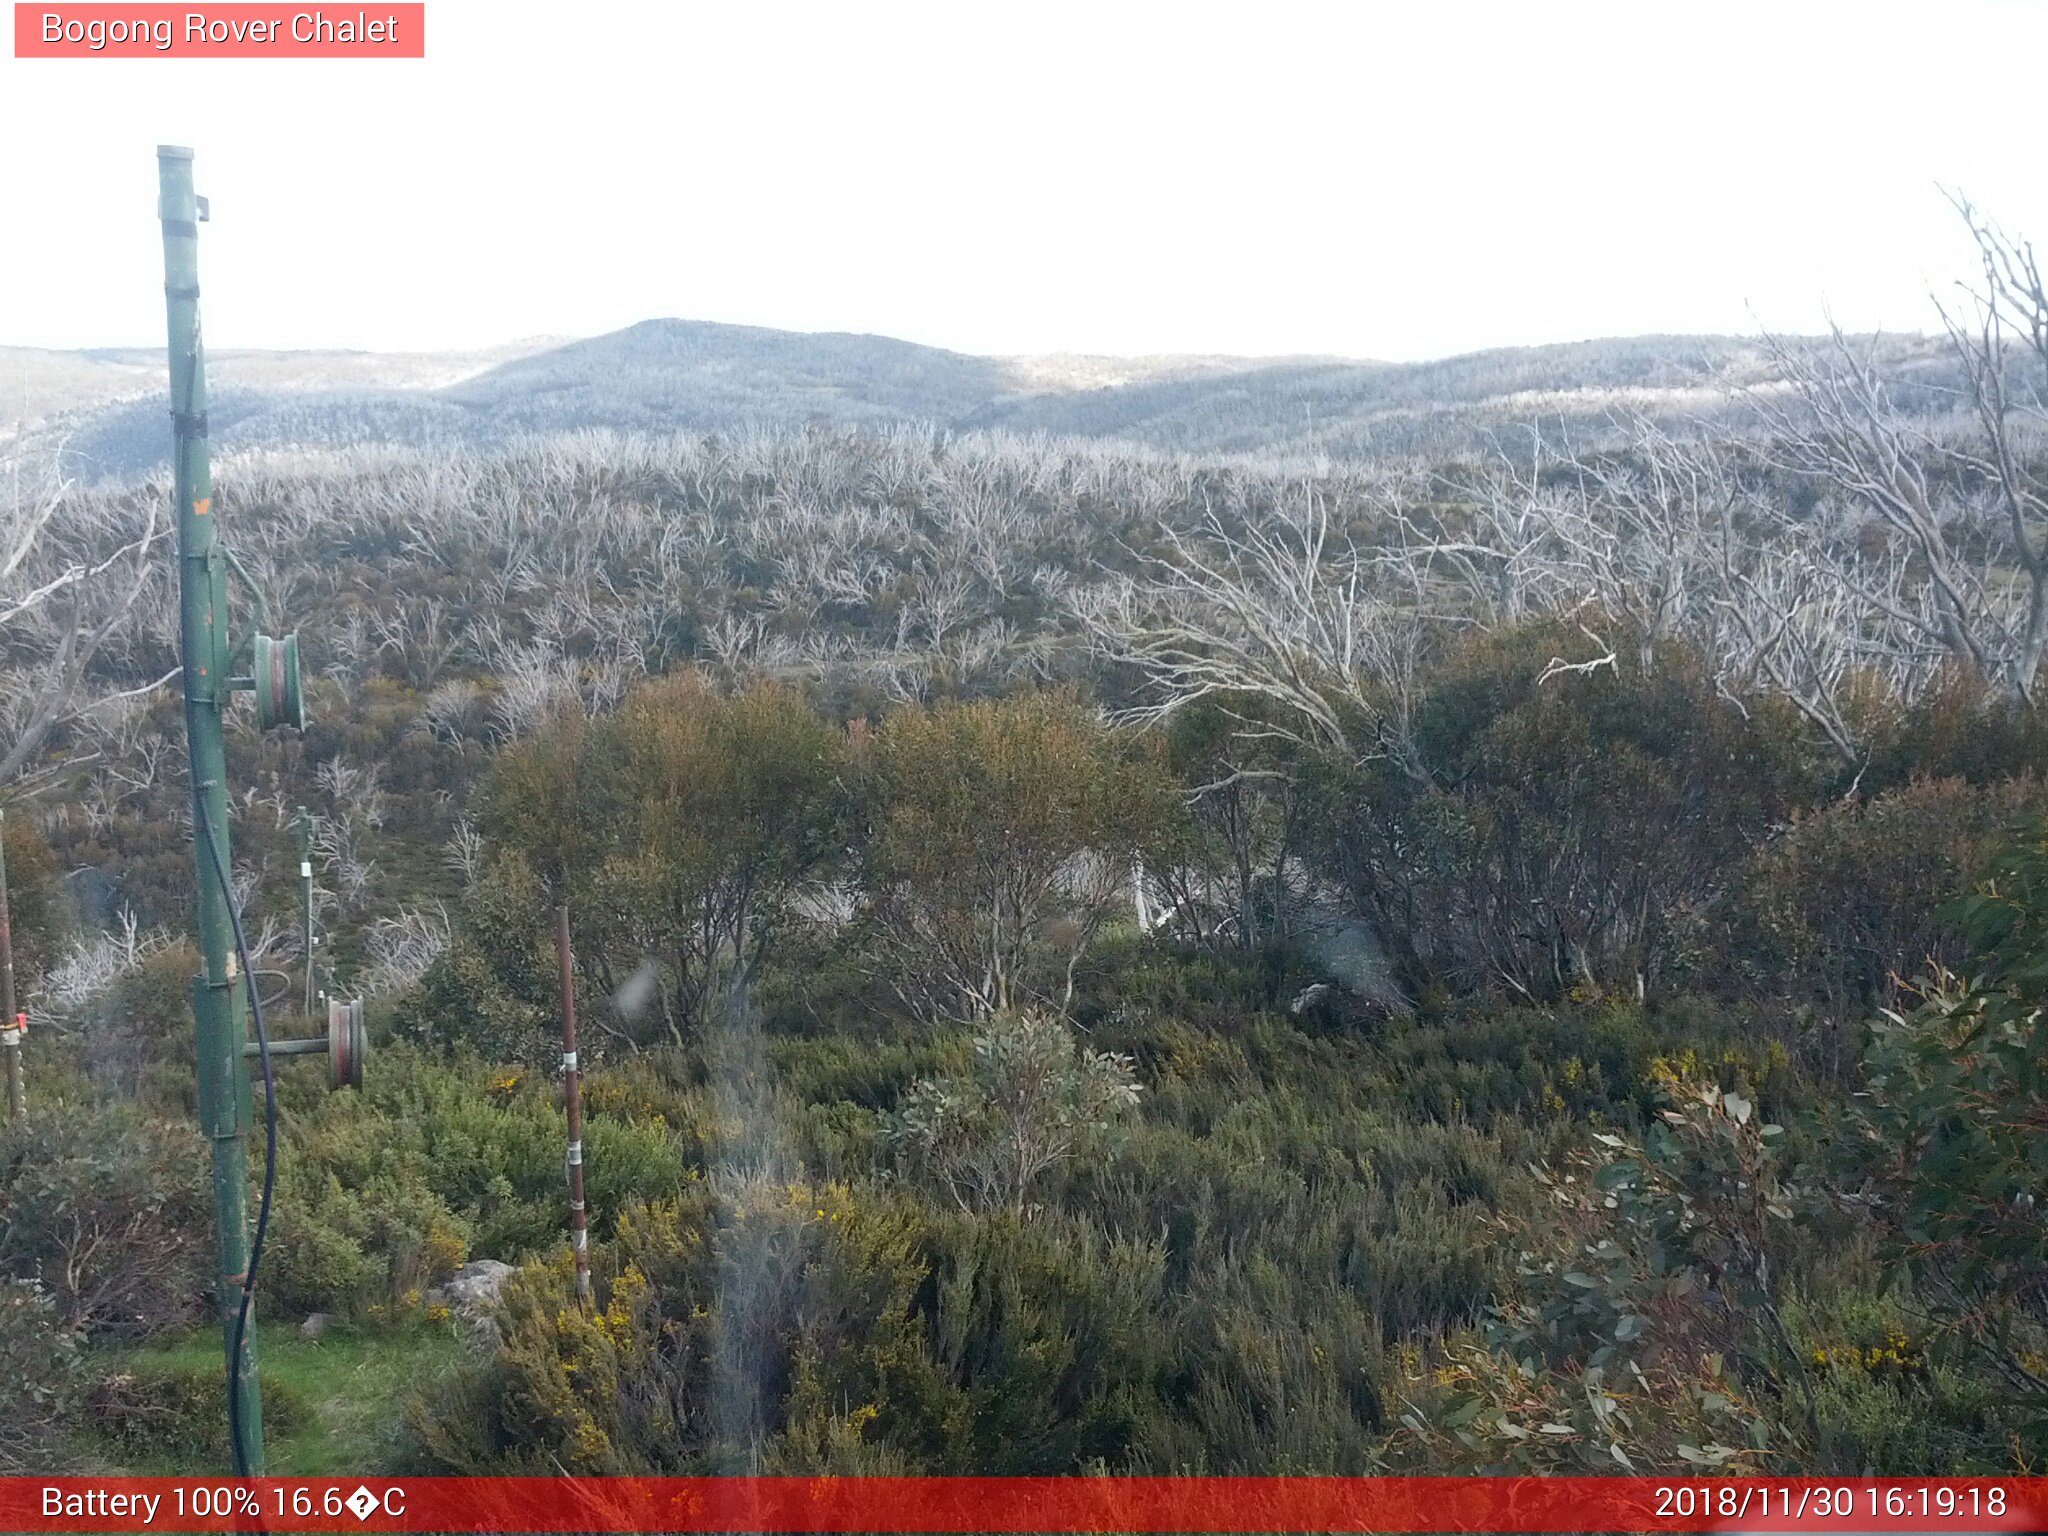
(1108, 950)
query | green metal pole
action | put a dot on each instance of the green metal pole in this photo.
(10, 1032)
(306, 898)
(217, 1008)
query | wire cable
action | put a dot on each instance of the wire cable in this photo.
(227, 891)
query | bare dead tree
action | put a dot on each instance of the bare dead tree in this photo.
(1665, 537)
(464, 854)
(1960, 499)
(72, 572)
(454, 712)
(1281, 610)
(535, 680)
(2001, 340)
(400, 950)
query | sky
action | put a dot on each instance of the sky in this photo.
(1380, 180)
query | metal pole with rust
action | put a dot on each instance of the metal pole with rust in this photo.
(10, 1021)
(217, 1003)
(572, 1095)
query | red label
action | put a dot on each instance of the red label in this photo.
(712, 1506)
(230, 31)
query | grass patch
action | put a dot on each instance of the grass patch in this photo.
(350, 1389)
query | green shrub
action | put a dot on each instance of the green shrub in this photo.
(367, 1249)
(1223, 869)
(682, 831)
(382, 1193)
(179, 1413)
(1842, 906)
(139, 1035)
(1649, 1269)
(730, 1327)
(1963, 726)
(1001, 837)
(1947, 1136)
(1052, 1330)
(1882, 1406)
(1034, 1100)
(110, 1208)
(1564, 832)
(39, 1377)
(35, 898)
(494, 989)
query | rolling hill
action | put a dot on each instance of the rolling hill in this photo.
(107, 406)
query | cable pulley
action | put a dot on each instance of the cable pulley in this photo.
(275, 675)
(347, 1043)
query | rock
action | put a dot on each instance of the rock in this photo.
(477, 1283)
(471, 1294)
(1309, 997)
(314, 1325)
(1351, 955)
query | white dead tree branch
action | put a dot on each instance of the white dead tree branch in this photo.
(1963, 498)
(1273, 609)
(399, 950)
(2003, 348)
(72, 573)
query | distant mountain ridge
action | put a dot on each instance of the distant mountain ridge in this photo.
(107, 405)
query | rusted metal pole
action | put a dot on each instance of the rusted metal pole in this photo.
(10, 1021)
(572, 1096)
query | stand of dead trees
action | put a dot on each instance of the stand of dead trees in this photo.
(74, 572)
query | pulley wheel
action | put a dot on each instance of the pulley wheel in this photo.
(347, 1043)
(279, 699)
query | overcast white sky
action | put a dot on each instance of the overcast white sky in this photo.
(1376, 180)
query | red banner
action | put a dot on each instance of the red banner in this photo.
(1023, 1504)
(225, 31)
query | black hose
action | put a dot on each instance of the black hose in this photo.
(227, 891)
